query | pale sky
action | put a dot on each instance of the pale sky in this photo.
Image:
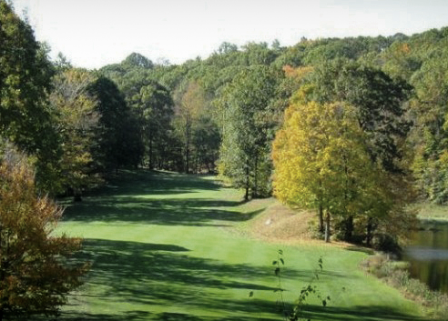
(93, 33)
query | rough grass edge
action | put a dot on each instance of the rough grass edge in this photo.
(396, 274)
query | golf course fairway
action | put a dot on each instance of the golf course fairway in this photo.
(167, 246)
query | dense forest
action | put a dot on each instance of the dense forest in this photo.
(355, 128)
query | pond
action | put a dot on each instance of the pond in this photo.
(428, 255)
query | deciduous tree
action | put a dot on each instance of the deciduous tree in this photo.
(25, 81)
(36, 268)
(246, 127)
(322, 161)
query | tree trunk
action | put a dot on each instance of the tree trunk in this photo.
(187, 160)
(187, 145)
(77, 196)
(4, 246)
(327, 227)
(349, 227)
(369, 232)
(246, 196)
(255, 190)
(151, 161)
(321, 219)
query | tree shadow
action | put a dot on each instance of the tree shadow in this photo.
(163, 274)
(133, 201)
(366, 313)
(143, 315)
(192, 212)
(145, 274)
(362, 249)
(121, 260)
(155, 182)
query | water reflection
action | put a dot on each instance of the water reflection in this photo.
(428, 256)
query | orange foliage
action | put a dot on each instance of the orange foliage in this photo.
(297, 73)
(36, 271)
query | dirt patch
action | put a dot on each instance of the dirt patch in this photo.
(279, 223)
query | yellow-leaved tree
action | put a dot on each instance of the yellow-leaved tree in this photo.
(322, 162)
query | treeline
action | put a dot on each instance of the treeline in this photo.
(246, 113)
(376, 142)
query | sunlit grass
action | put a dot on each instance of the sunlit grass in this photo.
(167, 246)
(430, 211)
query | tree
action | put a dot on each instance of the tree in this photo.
(116, 141)
(379, 99)
(151, 105)
(244, 154)
(381, 107)
(190, 107)
(36, 270)
(319, 159)
(227, 47)
(430, 131)
(156, 110)
(25, 81)
(136, 60)
(78, 122)
(322, 161)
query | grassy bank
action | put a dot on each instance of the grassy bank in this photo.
(432, 212)
(173, 247)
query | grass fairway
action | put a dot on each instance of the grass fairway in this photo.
(170, 247)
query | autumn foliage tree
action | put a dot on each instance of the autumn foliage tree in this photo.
(36, 271)
(322, 162)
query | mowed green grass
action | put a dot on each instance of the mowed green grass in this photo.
(167, 246)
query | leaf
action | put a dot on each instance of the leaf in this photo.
(277, 271)
(324, 303)
(281, 260)
(251, 294)
(280, 252)
(274, 262)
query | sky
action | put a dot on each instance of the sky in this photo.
(94, 33)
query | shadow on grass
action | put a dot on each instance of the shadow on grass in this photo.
(135, 200)
(366, 313)
(114, 262)
(361, 249)
(154, 182)
(143, 315)
(142, 275)
(139, 276)
(194, 212)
